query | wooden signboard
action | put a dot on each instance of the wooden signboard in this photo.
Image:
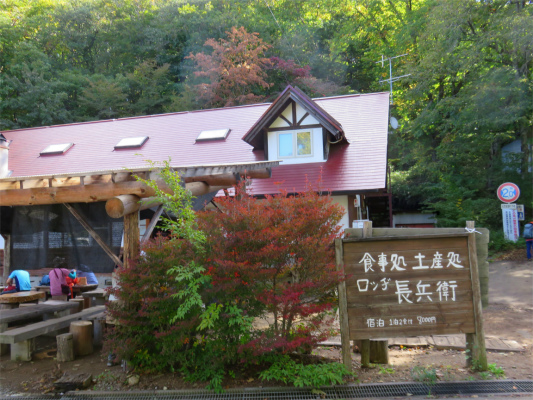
(409, 286)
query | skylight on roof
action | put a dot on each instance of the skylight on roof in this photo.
(131, 142)
(56, 148)
(214, 134)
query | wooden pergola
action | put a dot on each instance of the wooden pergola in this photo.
(123, 193)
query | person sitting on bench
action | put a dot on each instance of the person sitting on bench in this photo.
(58, 277)
(71, 281)
(18, 281)
(85, 272)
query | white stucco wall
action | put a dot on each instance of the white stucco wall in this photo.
(343, 201)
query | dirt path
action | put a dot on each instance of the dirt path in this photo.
(509, 316)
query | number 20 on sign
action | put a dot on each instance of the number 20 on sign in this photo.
(508, 192)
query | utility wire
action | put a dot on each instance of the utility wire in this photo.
(281, 31)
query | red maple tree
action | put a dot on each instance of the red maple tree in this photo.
(234, 70)
(274, 257)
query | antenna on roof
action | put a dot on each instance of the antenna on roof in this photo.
(391, 78)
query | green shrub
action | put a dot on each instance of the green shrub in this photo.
(287, 370)
(498, 372)
(424, 374)
(498, 243)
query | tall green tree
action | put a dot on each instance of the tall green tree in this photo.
(469, 94)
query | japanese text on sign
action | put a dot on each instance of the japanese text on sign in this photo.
(406, 290)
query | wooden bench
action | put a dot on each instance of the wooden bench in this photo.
(21, 339)
(28, 312)
(45, 310)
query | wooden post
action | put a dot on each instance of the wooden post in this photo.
(379, 351)
(80, 302)
(7, 257)
(98, 331)
(131, 238)
(86, 302)
(376, 351)
(475, 342)
(365, 353)
(82, 337)
(364, 345)
(23, 350)
(65, 347)
(343, 309)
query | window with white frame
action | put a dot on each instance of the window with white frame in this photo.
(295, 144)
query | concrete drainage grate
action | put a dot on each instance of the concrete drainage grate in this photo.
(337, 392)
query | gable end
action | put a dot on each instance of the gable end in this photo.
(289, 97)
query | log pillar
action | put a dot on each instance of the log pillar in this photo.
(65, 347)
(475, 342)
(98, 331)
(122, 205)
(86, 302)
(82, 337)
(379, 351)
(131, 238)
(365, 353)
(80, 303)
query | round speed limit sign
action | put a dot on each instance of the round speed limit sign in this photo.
(508, 192)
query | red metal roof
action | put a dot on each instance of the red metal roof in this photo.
(360, 165)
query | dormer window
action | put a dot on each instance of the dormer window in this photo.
(56, 149)
(131, 143)
(295, 129)
(295, 144)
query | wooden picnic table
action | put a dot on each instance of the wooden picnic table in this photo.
(12, 300)
(98, 296)
(76, 288)
(84, 288)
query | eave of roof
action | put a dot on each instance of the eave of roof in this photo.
(184, 171)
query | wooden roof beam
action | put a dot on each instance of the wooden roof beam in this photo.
(119, 206)
(43, 193)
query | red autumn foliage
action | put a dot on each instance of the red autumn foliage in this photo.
(233, 70)
(266, 259)
(283, 246)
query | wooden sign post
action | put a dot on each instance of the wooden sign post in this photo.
(405, 286)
